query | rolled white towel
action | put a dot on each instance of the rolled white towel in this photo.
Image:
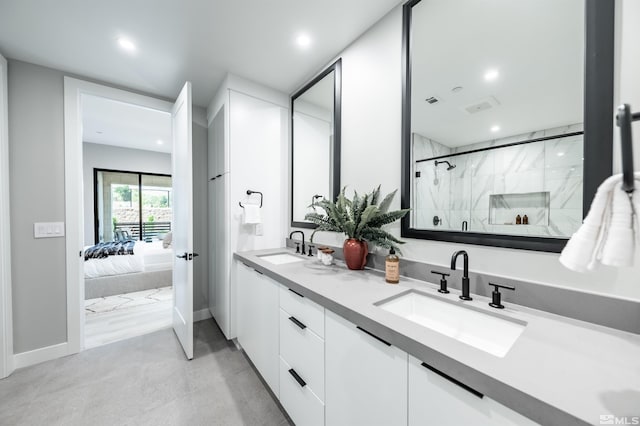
(610, 231)
(618, 248)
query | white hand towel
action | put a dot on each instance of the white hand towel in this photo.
(252, 214)
(618, 249)
(610, 231)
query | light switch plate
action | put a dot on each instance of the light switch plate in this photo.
(48, 229)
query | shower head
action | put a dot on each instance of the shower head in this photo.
(449, 165)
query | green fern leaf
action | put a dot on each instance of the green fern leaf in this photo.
(386, 202)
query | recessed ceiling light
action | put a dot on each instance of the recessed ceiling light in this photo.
(495, 129)
(126, 44)
(160, 142)
(491, 75)
(560, 154)
(457, 89)
(303, 40)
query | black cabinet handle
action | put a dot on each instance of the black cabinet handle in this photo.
(296, 293)
(373, 335)
(261, 273)
(298, 323)
(452, 380)
(301, 382)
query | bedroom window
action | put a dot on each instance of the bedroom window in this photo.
(134, 203)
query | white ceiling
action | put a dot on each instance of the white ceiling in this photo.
(109, 122)
(195, 40)
(536, 45)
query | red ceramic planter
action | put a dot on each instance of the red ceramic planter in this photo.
(355, 253)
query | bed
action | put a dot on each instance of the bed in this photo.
(146, 266)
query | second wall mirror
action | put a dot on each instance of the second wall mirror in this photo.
(507, 119)
(315, 143)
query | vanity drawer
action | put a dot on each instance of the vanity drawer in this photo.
(305, 310)
(302, 405)
(303, 350)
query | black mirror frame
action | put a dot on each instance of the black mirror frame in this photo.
(337, 129)
(598, 129)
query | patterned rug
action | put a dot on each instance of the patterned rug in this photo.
(128, 300)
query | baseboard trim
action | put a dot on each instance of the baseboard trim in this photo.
(201, 315)
(37, 356)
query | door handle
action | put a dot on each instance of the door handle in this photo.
(187, 256)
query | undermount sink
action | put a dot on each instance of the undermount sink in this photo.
(281, 258)
(491, 333)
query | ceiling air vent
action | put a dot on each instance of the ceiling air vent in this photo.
(433, 100)
(481, 105)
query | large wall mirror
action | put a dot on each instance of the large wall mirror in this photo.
(315, 143)
(507, 118)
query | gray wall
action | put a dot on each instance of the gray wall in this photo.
(36, 173)
(115, 158)
(36, 154)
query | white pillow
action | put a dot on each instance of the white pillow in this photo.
(166, 241)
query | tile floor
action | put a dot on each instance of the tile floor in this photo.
(114, 318)
(143, 381)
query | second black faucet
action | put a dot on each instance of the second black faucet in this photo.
(465, 274)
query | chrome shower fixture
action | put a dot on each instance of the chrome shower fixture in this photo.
(449, 165)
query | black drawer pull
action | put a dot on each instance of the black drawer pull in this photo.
(295, 292)
(301, 382)
(452, 380)
(261, 273)
(373, 335)
(298, 323)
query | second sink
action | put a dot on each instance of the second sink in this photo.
(282, 258)
(491, 333)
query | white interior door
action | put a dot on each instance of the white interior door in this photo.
(183, 221)
(6, 329)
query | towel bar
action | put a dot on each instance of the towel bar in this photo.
(249, 192)
(624, 118)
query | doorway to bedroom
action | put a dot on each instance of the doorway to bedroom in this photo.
(128, 200)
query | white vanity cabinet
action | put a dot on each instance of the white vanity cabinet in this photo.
(258, 321)
(301, 358)
(325, 370)
(435, 398)
(366, 379)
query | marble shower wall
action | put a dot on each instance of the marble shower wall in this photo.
(432, 190)
(464, 193)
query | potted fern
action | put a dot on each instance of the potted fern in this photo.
(361, 219)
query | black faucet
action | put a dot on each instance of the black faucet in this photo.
(301, 233)
(465, 275)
